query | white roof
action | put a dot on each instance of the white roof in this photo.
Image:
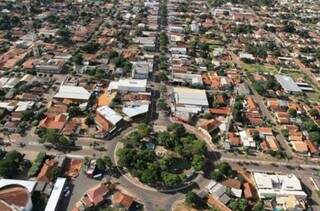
(7, 105)
(190, 96)
(216, 189)
(113, 85)
(135, 110)
(128, 83)
(55, 194)
(287, 83)
(246, 140)
(281, 185)
(109, 114)
(236, 192)
(29, 185)
(262, 180)
(3, 81)
(133, 83)
(73, 92)
(24, 105)
(11, 83)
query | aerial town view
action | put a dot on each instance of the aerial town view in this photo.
(159, 105)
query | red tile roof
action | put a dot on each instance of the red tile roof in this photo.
(122, 199)
(97, 193)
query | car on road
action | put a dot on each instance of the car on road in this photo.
(67, 193)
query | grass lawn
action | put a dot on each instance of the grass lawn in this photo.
(214, 46)
(253, 68)
(293, 73)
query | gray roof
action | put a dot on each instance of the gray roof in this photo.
(287, 83)
(73, 92)
(190, 96)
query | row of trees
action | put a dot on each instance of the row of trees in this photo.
(55, 138)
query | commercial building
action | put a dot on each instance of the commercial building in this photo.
(134, 110)
(107, 118)
(288, 84)
(187, 97)
(55, 194)
(273, 185)
(73, 93)
(141, 69)
(128, 85)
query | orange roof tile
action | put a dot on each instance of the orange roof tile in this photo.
(232, 183)
(265, 130)
(122, 199)
(45, 174)
(220, 111)
(97, 193)
(247, 191)
(53, 122)
(299, 146)
(272, 143)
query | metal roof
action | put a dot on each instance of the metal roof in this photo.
(55, 194)
(287, 83)
(190, 96)
(73, 92)
(135, 110)
(109, 114)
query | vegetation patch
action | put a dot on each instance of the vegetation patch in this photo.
(162, 159)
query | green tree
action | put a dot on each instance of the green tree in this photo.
(314, 112)
(74, 111)
(292, 112)
(126, 157)
(144, 129)
(91, 47)
(11, 164)
(259, 206)
(191, 199)
(50, 136)
(243, 204)
(65, 141)
(162, 104)
(198, 162)
(216, 175)
(259, 88)
(101, 165)
(77, 58)
(309, 125)
(170, 179)
(315, 136)
(150, 175)
(64, 35)
(90, 120)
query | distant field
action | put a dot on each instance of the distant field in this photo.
(253, 68)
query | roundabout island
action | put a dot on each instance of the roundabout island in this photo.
(161, 160)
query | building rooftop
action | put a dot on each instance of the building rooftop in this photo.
(109, 114)
(55, 194)
(189, 96)
(135, 110)
(73, 92)
(287, 83)
(269, 185)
